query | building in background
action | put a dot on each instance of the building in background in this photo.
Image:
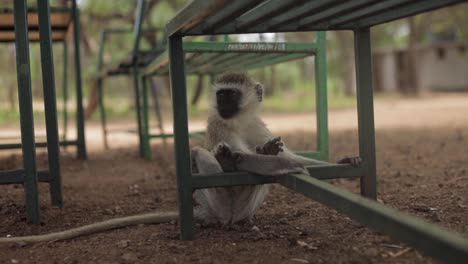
(441, 66)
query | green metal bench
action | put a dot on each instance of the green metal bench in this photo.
(208, 17)
(52, 25)
(130, 65)
(211, 58)
(61, 19)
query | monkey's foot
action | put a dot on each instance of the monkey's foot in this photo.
(271, 147)
(353, 161)
(225, 157)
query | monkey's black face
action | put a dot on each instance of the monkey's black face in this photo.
(227, 101)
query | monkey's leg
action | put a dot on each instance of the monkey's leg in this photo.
(214, 203)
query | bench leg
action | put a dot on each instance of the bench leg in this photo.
(321, 96)
(179, 104)
(146, 139)
(80, 126)
(365, 105)
(102, 111)
(157, 109)
(50, 105)
(23, 72)
(65, 91)
(136, 88)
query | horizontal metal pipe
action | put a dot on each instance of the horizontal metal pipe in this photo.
(17, 176)
(38, 144)
(11, 176)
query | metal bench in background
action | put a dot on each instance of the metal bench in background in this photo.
(130, 65)
(211, 58)
(209, 17)
(22, 25)
(208, 58)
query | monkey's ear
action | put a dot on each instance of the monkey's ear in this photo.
(259, 91)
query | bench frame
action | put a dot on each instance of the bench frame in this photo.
(29, 175)
(203, 17)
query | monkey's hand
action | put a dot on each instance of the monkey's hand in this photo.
(353, 161)
(225, 157)
(271, 147)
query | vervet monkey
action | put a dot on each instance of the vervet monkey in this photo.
(234, 128)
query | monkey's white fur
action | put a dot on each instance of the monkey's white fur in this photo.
(243, 133)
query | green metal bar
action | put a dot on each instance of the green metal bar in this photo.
(102, 112)
(141, 4)
(203, 58)
(222, 59)
(136, 74)
(244, 60)
(37, 144)
(321, 172)
(271, 60)
(413, 8)
(117, 31)
(80, 125)
(17, 176)
(166, 135)
(50, 104)
(136, 87)
(333, 11)
(12, 176)
(99, 83)
(365, 107)
(267, 9)
(157, 109)
(290, 15)
(321, 98)
(230, 179)
(258, 47)
(234, 61)
(65, 90)
(190, 12)
(23, 73)
(382, 5)
(100, 57)
(229, 11)
(182, 150)
(146, 138)
(431, 239)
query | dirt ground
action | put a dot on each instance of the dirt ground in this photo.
(422, 170)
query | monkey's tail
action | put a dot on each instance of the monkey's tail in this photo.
(151, 218)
